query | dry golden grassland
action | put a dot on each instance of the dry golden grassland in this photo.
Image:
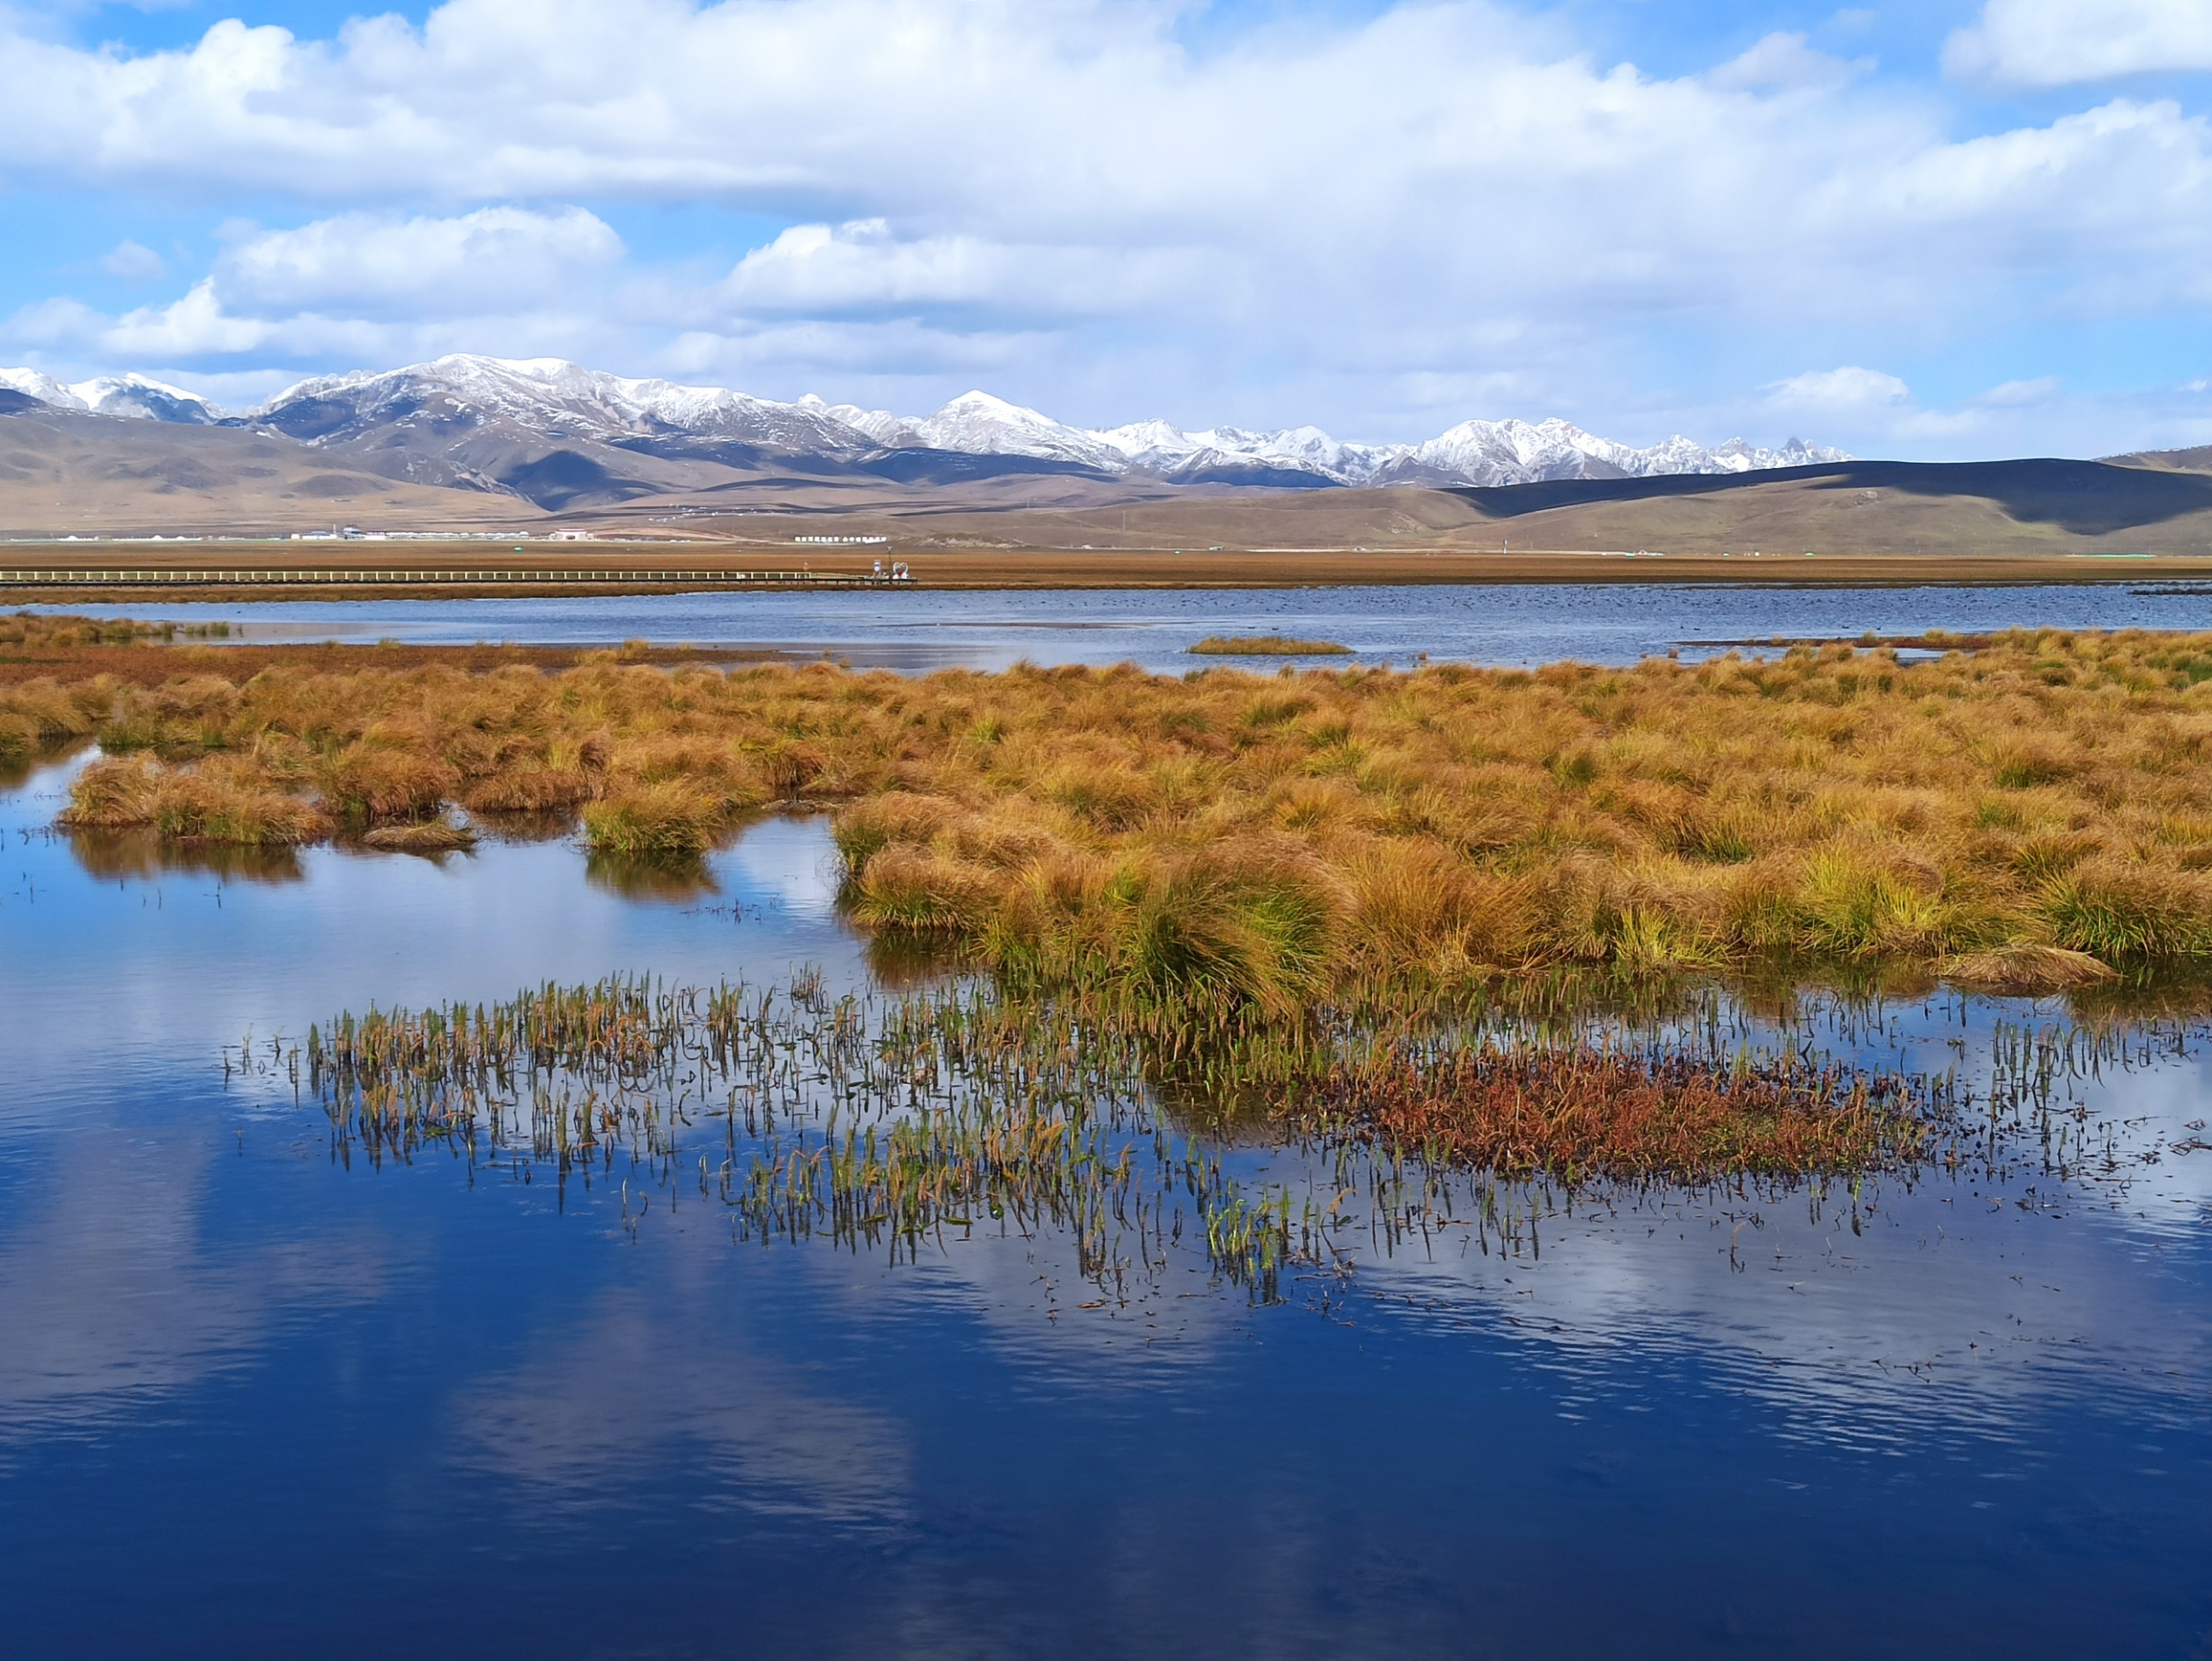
(2033, 813)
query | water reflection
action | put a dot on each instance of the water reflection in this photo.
(118, 1288)
(143, 854)
(615, 1387)
(416, 1406)
(665, 879)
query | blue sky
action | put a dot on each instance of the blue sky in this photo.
(1930, 230)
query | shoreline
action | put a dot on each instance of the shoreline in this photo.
(234, 571)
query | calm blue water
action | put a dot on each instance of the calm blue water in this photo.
(254, 1401)
(925, 629)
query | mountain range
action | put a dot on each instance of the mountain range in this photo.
(493, 448)
(560, 435)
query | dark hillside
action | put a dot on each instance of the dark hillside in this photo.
(2083, 498)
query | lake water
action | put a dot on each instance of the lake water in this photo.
(925, 629)
(257, 1399)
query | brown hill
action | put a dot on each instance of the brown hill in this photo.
(2196, 460)
(63, 473)
(1856, 509)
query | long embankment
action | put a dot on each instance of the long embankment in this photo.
(142, 572)
(2029, 810)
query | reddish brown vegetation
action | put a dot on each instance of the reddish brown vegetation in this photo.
(1585, 1113)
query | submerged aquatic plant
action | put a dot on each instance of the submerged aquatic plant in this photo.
(1663, 1111)
(880, 1126)
(889, 1124)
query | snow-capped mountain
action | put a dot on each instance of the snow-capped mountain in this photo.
(1157, 447)
(1519, 453)
(545, 396)
(133, 397)
(465, 398)
(1472, 452)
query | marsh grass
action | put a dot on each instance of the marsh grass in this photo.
(2032, 814)
(1266, 646)
(221, 800)
(668, 817)
(38, 629)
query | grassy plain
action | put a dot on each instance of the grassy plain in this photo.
(2034, 812)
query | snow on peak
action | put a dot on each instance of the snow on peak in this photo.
(556, 399)
(33, 384)
(1521, 453)
(880, 426)
(146, 399)
(978, 424)
(137, 397)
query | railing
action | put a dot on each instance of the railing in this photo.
(266, 577)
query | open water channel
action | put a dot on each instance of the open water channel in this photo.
(921, 628)
(261, 1395)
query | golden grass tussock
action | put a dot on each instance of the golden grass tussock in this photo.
(1266, 646)
(390, 779)
(2027, 969)
(665, 816)
(1239, 838)
(40, 715)
(220, 800)
(428, 837)
(529, 789)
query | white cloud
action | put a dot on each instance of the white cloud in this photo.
(193, 326)
(133, 262)
(1780, 63)
(2014, 394)
(2044, 43)
(863, 265)
(365, 287)
(366, 263)
(1427, 156)
(1850, 387)
(51, 322)
(1362, 224)
(1869, 411)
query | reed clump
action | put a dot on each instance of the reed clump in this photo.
(2034, 807)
